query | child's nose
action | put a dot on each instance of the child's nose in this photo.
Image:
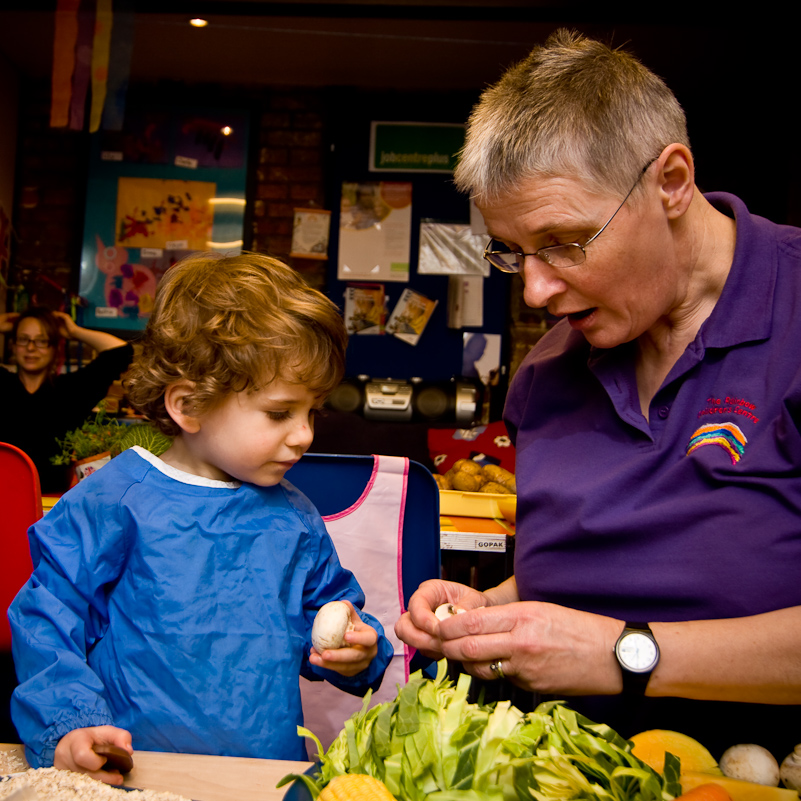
(301, 435)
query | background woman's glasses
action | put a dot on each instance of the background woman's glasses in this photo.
(38, 342)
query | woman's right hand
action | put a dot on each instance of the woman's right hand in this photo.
(419, 626)
(7, 321)
(75, 751)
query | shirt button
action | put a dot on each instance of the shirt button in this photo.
(663, 412)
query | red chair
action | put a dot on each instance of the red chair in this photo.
(20, 507)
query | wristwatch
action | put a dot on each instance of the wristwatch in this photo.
(637, 654)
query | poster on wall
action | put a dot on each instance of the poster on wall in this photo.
(481, 356)
(310, 232)
(410, 316)
(451, 249)
(365, 309)
(375, 227)
(171, 184)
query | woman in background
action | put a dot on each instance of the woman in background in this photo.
(38, 405)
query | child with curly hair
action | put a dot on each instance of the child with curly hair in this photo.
(172, 597)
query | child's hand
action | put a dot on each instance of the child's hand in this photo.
(353, 658)
(74, 751)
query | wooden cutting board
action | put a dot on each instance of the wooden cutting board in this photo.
(195, 776)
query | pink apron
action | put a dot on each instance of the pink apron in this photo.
(368, 538)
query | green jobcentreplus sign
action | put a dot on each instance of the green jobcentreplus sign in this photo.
(414, 146)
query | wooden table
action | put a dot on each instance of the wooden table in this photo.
(202, 778)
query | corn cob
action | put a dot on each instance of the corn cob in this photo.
(355, 787)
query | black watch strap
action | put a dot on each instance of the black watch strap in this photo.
(636, 681)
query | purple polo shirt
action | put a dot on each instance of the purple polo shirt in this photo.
(617, 514)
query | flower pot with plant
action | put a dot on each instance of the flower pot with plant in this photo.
(91, 445)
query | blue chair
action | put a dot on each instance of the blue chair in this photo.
(334, 482)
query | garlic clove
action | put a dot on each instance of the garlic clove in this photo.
(330, 624)
(790, 770)
(444, 611)
(750, 763)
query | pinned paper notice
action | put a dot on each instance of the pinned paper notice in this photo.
(410, 316)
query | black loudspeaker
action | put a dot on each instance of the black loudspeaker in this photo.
(348, 396)
(457, 401)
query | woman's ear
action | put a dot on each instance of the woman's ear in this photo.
(179, 407)
(676, 179)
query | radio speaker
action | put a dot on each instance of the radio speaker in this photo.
(456, 401)
(347, 397)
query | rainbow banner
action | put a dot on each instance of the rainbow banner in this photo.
(100, 56)
(83, 67)
(66, 34)
(119, 68)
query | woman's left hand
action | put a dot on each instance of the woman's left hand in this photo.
(356, 655)
(541, 647)
(67, 327)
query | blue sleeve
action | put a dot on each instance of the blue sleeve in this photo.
(77, 551)
(329, 581)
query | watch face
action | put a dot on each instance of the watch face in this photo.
(637, 651)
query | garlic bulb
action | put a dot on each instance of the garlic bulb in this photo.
(444, 611)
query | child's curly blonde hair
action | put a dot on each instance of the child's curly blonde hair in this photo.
(234, 323)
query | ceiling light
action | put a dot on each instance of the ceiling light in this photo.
(199, 23)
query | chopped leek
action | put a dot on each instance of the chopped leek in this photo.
(431, 744)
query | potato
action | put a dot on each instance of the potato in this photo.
(466, 482)
(443, 482)
(493, 486)
(501, 476)
(468, 466)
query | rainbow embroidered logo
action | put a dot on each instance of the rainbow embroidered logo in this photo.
(727, 435)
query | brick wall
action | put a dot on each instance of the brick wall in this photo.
(50, 186)
(289, 174)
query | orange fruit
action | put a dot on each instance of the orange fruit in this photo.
(650, 747)
(706, 792)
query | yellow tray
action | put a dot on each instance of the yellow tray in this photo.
(477, 504)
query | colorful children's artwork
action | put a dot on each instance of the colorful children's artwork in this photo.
(212, 139)
(145, 140)
(168, 214)
(365, 308)
(410, 316)
(142, 217)
(127, 286)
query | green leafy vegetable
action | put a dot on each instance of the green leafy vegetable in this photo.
(146, 436)
(431, 743)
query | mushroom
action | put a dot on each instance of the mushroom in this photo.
(750, 763)
(791, 770)
(330, 624)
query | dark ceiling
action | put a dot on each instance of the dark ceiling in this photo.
(732, 73)
(403, 44)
